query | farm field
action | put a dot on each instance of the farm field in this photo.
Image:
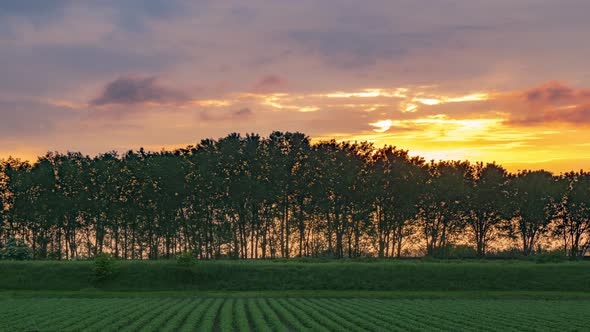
(296, 296)
(290, 314)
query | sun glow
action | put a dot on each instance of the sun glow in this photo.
(211, 102)
(309, 109)
(471, 97)
(369, 93)
(409, 108)
(381, 126)
(427, 101)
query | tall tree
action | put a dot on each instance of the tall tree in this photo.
(399, 183)
(444, 204)
(486, 202)
(534, 196)
(575, 219)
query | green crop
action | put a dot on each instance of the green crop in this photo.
(291, 314)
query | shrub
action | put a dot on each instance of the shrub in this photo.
(186, 259)
(453, 251)
(16, 250)
(462, 251)
(511, 253)
(552, 256)
(105, 267)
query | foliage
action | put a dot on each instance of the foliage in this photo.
(415, 275)
(16, 249)
(252, 197)
(186, 259)
(534, 198)
(512, 253)
(551, 256)
(461, 251)
(104, 268)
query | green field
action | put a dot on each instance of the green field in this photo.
(294, 275)
(290, 314)
(295, 296)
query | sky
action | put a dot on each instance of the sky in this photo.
(504, 80)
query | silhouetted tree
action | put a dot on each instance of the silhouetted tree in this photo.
(281, 196)
(574, 224)
(534, 196)
(487, 198)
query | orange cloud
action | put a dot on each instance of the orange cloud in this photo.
(551, 102)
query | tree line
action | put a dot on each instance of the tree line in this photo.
(281, 196)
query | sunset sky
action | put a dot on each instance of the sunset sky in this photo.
(503, 80)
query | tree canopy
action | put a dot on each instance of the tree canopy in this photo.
(282, 196)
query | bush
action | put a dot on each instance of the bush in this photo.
(511, 253)
(453, 251)
(105, 267)
(16, 250)
(462, 251)
(553, 256)
(186, 259)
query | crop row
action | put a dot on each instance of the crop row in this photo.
(289, 314)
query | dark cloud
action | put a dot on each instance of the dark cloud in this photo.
(364, 47)
(132, 14)
(32, 8)
(243, 112)
(347, 48)
(270, 83)
(140, 8)
(128, 90)
(551, 92)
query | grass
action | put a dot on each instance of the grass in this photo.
(296, 296)
(216, 276)
(291, 314)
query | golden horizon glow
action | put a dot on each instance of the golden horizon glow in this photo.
(429, 123)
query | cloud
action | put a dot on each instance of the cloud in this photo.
(575, 115)
(550, 102)
(367, 40)
(243, 112)
(225, 115)
(25, 118)
(32, 8)
(270, 83)
(128, 91)
(55, 69)
(136, 15)
(552, 91)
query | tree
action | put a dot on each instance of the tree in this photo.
(281, 196)
(575, 217)
(534, 196)
(444, 204)
(398, 185)
(486, 202)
